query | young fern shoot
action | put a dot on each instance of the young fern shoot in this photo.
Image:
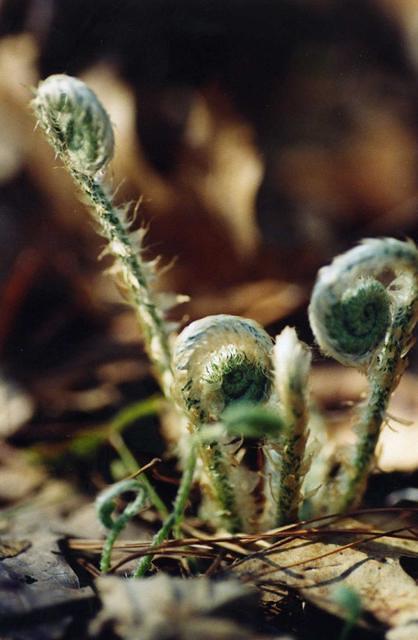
(285, 455)
(218, 361)
(362, 323)
(80, 131)
(105, 505)
(222, 360)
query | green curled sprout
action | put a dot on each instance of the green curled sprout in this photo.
(76, 122)
(363, 312)
(105, 508)
(351, 310)
(219, 360)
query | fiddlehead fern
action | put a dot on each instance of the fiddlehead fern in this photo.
(363, 311)
(220, 360)
(362, 323)
(80, 131)
(77, 125)
(285, 454)
(105, 506)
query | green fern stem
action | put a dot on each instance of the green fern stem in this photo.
(383, 380)
(221, 488)
(79, 130)
(289, 499)
(105, 505)
(134, 276)
(364, 322)
(218, 361)
(286, 463)
(174, 519)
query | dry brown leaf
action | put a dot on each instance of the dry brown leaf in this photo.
(163, 607)
(9, 548)
(334, 386)
(266, 301)
(398, 444)
(16, 407)
(37, 578)
(18, 478)
(318, 569)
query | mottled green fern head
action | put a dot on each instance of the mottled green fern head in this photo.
(357, 298)
(75, 123)
(358, 321)
(220, 360)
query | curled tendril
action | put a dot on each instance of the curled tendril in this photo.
(75, 122)
(362, 323)
(105, 507)
(350, 310)
(220, 360)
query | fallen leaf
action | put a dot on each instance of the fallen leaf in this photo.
(18, 478)
(40, 594)
(163, 607)
(11, 548)
(339, 389)
(371, 569)
(16, 407)
(37, 578)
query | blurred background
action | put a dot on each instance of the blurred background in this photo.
(262, 137)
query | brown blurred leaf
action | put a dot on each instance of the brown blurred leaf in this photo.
(265, 301)
(37, 578)
(10, 548)
(17, 477)
(371, 569)
(337, 388)
(161, 607)
(16, 407)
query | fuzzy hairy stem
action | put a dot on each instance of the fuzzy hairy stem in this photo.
(289, 496)
(133, 271)
(218, 361)
(383, 380)
(363, 323)
(222, 490)
(285, 454)
(80, 131)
